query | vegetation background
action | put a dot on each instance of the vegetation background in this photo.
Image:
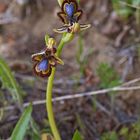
(105, 56)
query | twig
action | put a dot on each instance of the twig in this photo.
(102, 108)
(7, 20)
(120, 37)
(130, 5)
(131, 82)
(128, 55)
(68, 97)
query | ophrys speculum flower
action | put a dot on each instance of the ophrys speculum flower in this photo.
(70, 12)
(45, 60)
(70, 16)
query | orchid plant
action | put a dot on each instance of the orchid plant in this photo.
(45, 62)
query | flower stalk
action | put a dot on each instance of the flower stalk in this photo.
(65, 39)
(71, 27)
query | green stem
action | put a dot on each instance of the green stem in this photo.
(66, 38)
(50, 107)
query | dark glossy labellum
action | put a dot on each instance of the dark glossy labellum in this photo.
(70, 13)
(69, 8)
(42, 68)
(44, 61)
(43, 65)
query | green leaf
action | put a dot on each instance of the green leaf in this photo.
(110, 136)
(125, 12)
(108, 76)
(124, 131)
(77, 136)
(9, 82)
(34, 133)
(22, 125)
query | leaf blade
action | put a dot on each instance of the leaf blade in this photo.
(77, 136)
(22, 125)
(9, 81)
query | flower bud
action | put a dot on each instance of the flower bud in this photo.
(60, 2)
(75, 28)
(51, 42)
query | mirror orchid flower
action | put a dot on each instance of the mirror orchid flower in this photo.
(70, 15)
(45, 60)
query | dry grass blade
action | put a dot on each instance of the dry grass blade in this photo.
(130, 5)
(92, 93)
